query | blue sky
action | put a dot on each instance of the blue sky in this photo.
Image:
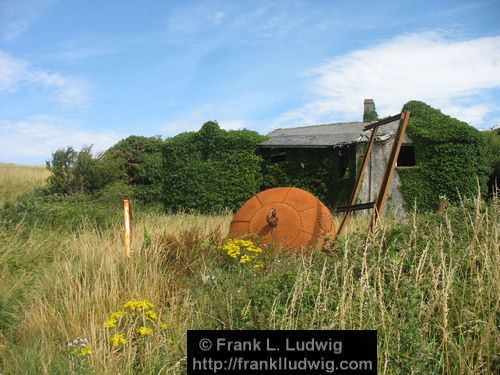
(94, 72)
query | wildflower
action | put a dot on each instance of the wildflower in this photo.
(244, 251)
(207, 279)
(109, 323)
(151, 314)
(164, 326)
(86, 351)
(258, 265)
(79, 347)
(117, 315)
(118, 339)
(138, 305)
(145, 331)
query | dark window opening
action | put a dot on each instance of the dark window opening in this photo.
(406, 156)
(277, 157)
(344, 161)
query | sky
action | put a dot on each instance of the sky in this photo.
(91, 72)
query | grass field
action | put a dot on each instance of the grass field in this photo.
(16, 180)
(430, 285)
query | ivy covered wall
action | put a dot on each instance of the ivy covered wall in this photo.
(212, 169)
(328, 173)
(449, 158)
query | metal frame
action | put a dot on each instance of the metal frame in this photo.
(389, 172)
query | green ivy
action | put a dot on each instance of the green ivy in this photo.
(492, 153)
(449, 158)
(212, 169)
(370, 116)
(319, 171)
(142, 165)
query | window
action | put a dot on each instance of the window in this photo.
(406, 156)
(277, 157)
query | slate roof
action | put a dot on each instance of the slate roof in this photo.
(327, 135)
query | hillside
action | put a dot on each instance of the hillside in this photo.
(16, 180)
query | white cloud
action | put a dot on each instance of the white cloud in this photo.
(33, 140)
(12, 72)
(17, 16)
(17, 73)
(447, 74)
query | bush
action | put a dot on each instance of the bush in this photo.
(449, 158)
(141, 164)
(79, 172)
(492, 153)
(212, 169)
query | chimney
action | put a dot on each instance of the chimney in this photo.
(369, 106)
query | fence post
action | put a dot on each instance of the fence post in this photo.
(127, 232)
(442, 205)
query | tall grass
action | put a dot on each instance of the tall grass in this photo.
(16, 180)
(429, 285)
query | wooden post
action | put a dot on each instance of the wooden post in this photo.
(442, 205)
(127, 227)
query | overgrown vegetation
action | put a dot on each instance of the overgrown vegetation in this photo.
(80, 172)
(449, 159)
(135, 162)
(212, 169)
(492, 152)
(327, 173)
(370, 116)
(141, 163)
(429, 285)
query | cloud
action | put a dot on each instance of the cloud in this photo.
(453, 75)
(17, 16)
(17, 73)
(12, 72)
(33, 140)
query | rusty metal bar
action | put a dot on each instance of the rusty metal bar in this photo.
(356, 207)
(359, 179)
(389, 171)
(384, 121)
(127, 232)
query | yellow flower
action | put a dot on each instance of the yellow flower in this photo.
(138, 305)
(118, 339)
(86, 351)
(151, 314)
(145, 331)
(244, 259)
(164, 326)
(117, 315)
(258, 265)
(109, 323)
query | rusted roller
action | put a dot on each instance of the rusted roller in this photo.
(287, 217)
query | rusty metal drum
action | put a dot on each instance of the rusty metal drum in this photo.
(286, 217)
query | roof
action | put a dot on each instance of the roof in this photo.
(326, 135)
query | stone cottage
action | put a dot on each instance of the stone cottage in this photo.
(345, 144)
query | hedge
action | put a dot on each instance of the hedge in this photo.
(141, 162)
(449, 158)
(212, 169)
